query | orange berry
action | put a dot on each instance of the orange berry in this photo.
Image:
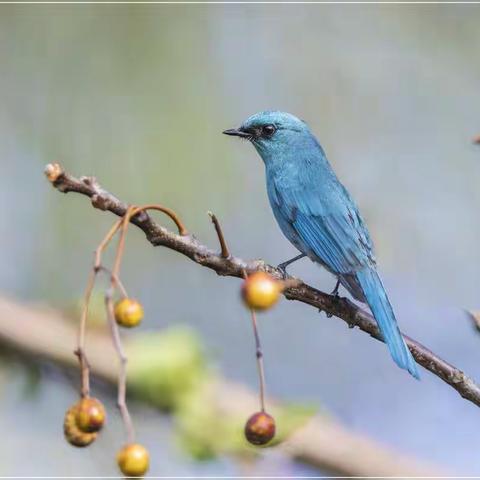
(72, 433)
(133, 460)
(128, 312)
(90, 416)
(260, 428)
(260, 291)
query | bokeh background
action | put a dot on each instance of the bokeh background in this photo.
(138, 96)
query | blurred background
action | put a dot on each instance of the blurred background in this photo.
(138, 95)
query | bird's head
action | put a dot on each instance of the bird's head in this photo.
(273, 133)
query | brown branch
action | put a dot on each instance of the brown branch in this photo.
(234, 267)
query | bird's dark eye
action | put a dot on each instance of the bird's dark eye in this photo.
(268, 130)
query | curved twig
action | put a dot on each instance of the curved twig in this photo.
(225, 253)
(167, 211)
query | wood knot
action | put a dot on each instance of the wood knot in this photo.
(89, 181)
(100, 202)
(457, 376)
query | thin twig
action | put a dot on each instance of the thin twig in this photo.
(121, 245)
(118, 283)
(234, 267)
(80, 350)
(122, 374)
(114, 282)
(104, 243)
(224, 253)
(122, 225)
(258, 355)
(117, 342)
(97, 267)
(167, 211)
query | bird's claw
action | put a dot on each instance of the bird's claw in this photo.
(334, 292)
(283, 270)
(283, 266)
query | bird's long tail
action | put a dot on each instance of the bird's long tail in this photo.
(379, 304)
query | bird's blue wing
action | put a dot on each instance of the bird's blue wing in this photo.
(330, 227)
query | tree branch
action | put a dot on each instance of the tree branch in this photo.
(189, 246)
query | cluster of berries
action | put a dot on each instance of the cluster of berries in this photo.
(84, 419)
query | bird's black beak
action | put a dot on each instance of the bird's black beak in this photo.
(236, 132)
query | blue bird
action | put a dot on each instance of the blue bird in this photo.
(316, 213)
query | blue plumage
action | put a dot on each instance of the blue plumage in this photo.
(316, 213)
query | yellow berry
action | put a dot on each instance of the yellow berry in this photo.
(128, 312)
(71, 431)
(260, 428)
(90, 416)
(133, 460)
(260, 291)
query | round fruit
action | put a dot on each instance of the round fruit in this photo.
(260, 291)
(128, 312)
(260, 428)
(90, 416)
(133, 460)
(71, 431)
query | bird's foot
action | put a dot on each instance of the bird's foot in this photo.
(283, 266)
(336, 296)
(334, 292)
(283, 269)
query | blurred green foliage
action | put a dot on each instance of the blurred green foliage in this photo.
(169, 369)
(166, 366)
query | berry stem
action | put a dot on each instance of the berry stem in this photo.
(97, 267)
(122, 225)
(123, 359)
(80, 350)
(258, 355)
(118, 282)
(121, 245)
(117, 342)
(104, 243)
